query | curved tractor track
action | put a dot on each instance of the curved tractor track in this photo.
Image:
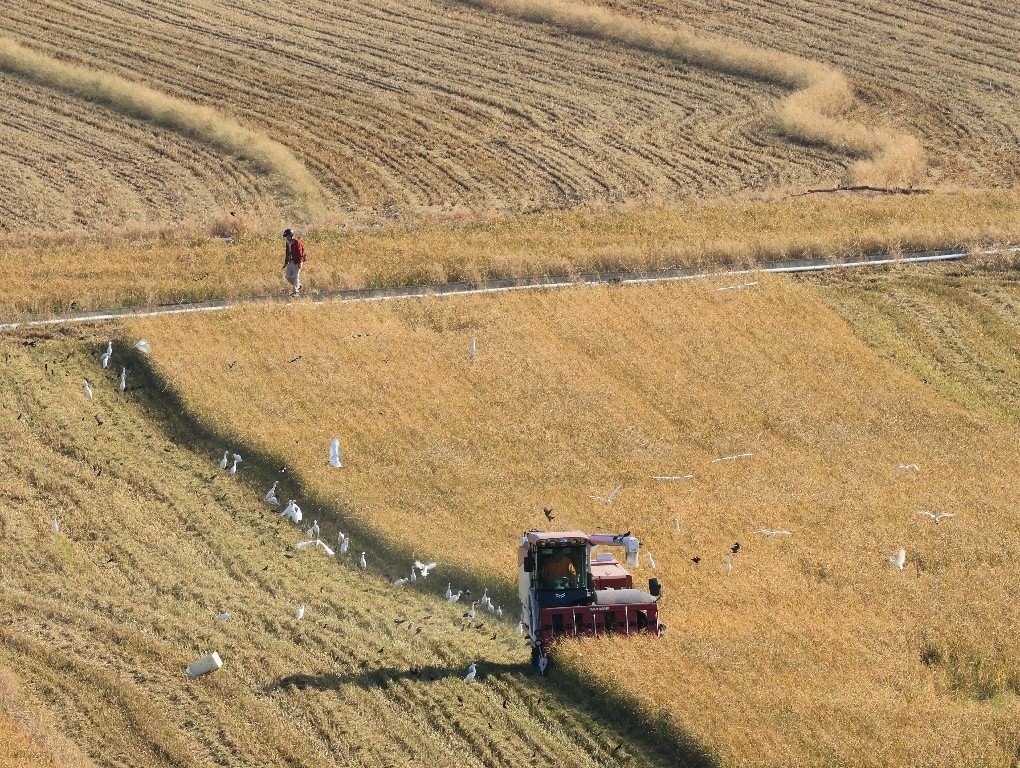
(422, 107)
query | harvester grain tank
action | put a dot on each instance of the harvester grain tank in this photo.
(564, 592)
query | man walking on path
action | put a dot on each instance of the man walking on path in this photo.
(294, 257)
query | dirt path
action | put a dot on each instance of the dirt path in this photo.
(792, 266)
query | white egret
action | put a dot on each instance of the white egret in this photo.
(334, 453)
(734, 457)
(300, 612)
(56, 524)
(271, 499)
(454, 597)
(424, 568)
(651, 560)
(936, 517)
(225, 461)
(87, 390)
(104, 359)
(325, 548)
(363, 563)
(122, 384)
(143, 346)
(898, 560)
(608, 499)
(472, 670)
(224, 616)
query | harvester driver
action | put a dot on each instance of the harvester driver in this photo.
(557, 566)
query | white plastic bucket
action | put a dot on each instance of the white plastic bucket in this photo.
(203, 666)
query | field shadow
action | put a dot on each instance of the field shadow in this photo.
(659, 739)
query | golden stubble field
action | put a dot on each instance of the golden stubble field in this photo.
(99, 619)
(422, 108)
(812, 650)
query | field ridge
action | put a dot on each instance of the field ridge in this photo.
(193, 121)
(810, 114)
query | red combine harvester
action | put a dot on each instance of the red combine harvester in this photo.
(564, 593)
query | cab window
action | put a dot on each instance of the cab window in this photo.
(560, 567)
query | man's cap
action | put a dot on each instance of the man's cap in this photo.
(288, 232)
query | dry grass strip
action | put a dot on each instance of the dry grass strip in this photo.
(191, 120)
(811, 114)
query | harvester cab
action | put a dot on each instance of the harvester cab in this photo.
(564, 593)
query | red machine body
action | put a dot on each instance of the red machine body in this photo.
(566, 593)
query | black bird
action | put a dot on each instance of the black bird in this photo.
(548, 514)
(735, 548)
(695, 559)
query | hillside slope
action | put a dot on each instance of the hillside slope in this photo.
(100, 618)
(813, 650)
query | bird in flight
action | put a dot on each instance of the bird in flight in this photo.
(423, 567)
(735, 549)
(695, 559)
(733, 457)
(548, 514)
(607, 499)
(936, 517)
(898, 560)
(325, 548)
(143, 346)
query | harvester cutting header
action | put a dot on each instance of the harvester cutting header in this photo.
(564, 593)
